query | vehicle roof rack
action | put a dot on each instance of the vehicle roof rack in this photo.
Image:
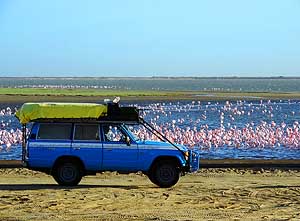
(77, 112)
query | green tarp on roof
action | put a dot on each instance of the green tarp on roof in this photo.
(33, 111)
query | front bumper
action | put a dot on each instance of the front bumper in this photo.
(194, 160)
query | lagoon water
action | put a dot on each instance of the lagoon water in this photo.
(209, 116)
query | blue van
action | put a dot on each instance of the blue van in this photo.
(71, 147)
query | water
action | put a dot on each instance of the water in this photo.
(191, 84)
(263, 117)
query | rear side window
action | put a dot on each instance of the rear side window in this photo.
(55, 131)
(86, 132)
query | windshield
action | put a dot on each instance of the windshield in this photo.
(133, 130)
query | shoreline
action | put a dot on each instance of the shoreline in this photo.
(155, 77)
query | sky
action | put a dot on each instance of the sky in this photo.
(127, 38)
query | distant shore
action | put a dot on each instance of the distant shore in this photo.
(159, 77)
(19, 95)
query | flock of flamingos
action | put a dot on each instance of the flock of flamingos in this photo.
(197, 125)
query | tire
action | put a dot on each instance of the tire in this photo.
(152, 178)
(67, 174)
(164, 174)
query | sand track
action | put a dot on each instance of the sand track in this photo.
(208, 195)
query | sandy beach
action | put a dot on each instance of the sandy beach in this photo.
(210, 194)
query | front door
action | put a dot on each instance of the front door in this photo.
(118, 154)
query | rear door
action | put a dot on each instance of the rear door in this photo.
(118, 154)
(87, 145)
(47, 142)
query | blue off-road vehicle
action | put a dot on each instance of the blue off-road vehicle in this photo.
(71, 140)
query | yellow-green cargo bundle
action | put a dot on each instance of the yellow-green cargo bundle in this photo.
(34, 111)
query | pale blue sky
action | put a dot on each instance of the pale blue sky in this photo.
(150, 38)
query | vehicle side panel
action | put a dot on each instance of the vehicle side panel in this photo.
(90, 153)
(120, 157)
(44, 153)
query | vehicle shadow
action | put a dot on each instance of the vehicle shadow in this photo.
(57, 187)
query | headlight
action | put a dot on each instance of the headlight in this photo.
(186, 155)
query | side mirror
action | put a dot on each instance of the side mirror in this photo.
(127, 140)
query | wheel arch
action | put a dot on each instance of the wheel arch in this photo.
(66, 158)
(172, 159)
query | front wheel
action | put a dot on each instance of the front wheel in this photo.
(67, 174)
(164, 174)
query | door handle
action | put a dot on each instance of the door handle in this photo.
(110, 149)
(76, 148)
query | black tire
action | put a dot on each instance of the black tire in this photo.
(152, 178)
(67, 173)
(164, 174)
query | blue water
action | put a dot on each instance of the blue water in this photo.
(164, 113)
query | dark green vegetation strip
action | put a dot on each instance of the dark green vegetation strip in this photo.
(83, 92)
(37, 94)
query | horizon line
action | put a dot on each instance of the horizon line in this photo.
(163, 77)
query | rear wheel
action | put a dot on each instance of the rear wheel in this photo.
(164, 174)
(67, 173)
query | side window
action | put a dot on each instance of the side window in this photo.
(86, 132)
(113, 133)
(54, 131)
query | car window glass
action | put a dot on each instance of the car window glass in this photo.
(33, 131)
(113, 133)
(86, 132)
(54, 131)
(136, 131)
